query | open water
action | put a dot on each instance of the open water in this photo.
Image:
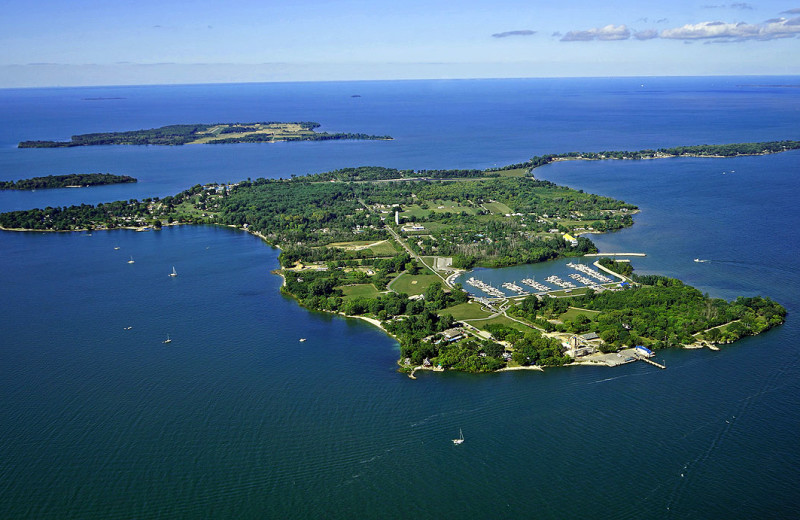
(235, 418)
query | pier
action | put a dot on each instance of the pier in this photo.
(654, 363)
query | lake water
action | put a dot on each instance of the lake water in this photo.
(235, 418)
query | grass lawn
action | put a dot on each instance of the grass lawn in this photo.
(497, 208)
(573, 312)
(574, 292)
(518, 172)
(364, 290)
(415, 284)
(465, 311)
(430, 227)
(385, 248)
(438, 206)
(351, 245)
(502, 320)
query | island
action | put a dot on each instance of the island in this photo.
(219, 133)
(75, 180)
(387, 246)
(704, 150)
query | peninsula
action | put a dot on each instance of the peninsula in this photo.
(219, 133)
(703, 150)
(386, 245)
(75, 180)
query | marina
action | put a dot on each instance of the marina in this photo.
(485, 287)
(536, 285)
(511, 286)
(555, 280)
(590, 272)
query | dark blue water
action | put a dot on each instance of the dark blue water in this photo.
(236, 418)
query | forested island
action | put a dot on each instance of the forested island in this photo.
(219, 133)
(386, 245)
(704, 150)
(74, 180)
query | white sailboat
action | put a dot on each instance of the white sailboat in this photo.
(130, 261)
(167, 340)
(460, 437)
(174, 272)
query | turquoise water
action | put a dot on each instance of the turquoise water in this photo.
(237, 418)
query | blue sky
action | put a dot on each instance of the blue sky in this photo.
(88, 42)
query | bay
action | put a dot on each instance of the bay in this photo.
(237, 418)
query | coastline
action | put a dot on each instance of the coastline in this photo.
(83, 230)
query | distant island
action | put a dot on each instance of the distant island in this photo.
(74, 180)
(386, 245)
(220, 133)
(703, 150)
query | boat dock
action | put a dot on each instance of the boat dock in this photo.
(536, 285)
(654, 363)
(555, 280)
(589, 271)
(514, 287)
(485, 287)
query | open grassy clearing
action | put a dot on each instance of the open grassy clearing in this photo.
(497, 208)
(413, 284)
(384, 248)
(502, 320)
(278, 132)
(351, 245)
(517, 172)
(573, 292)
(573, 312)
(466, 311)
(364, 290)
(415, 211)
(430, 227)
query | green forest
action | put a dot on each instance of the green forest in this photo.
(703, 150)
(63, 181)
(176, 135)
(363, 242)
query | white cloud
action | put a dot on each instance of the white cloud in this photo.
(513, 33)
(769, 30)
(607, 33)
(647, 34)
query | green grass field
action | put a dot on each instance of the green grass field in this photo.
(364, 290)
(466, 311)
(497, 208)
(518, 172)
(574, 292)
(351, 245)
(385, 248)
(415, 284)
(502, 320)
(572, 313)
(437, 206)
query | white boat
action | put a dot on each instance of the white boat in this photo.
(167, 340)
(460, 437)
(130, 261)
(174, 272)
(302, 339)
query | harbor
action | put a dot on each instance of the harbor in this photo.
(555, 281)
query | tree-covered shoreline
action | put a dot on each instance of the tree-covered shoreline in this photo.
(385, 244)
(704, 150)
(66, 181)
(217, 133)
